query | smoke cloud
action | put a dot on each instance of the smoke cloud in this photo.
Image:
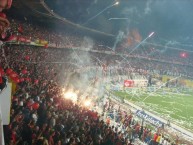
(84, 78)
(147, 9)
(87, 43)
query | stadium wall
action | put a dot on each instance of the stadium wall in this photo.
(5, 105)
(1, 129)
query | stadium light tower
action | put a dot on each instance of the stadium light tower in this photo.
(108, 7)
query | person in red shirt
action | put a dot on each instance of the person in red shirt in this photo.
(51, 140)
(155, 138)
(137, 128)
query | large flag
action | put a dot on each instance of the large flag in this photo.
(12, 38)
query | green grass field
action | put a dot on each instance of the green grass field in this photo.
(176, 107)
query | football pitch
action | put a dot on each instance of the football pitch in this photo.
(174, 106)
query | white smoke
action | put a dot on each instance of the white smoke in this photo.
(169, 43)
(119, 37)
(147, 9)
(79, 78)
(87, 43)
(130, 11)
(83, 79)
(132, 14)
(95, 1)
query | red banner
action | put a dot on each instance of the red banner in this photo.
(12, 38)
(21, 39)
(28, 40)
(128, 83)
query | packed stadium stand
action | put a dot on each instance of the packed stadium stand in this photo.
(44, 66)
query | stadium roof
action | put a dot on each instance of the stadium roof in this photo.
(36, 11)
(169, 19)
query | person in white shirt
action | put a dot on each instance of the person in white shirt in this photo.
(35, 117)
(165, 142)
(161, 140)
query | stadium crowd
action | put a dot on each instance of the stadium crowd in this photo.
(39, 113)
(54, 120)
(66, 39)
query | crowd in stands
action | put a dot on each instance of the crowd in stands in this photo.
(51, 123)
(114, 65)
(55, 120)
(133, 129)
(72, 40)
(34, 32)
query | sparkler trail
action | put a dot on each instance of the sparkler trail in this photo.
(118, 19)
(150, 35)
(167, 47)
(108, 7)
(160, 87)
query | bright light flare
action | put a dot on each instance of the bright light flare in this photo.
(183, 54)
(71, 96)
(116, 3)
(63, 90)
(87, 103)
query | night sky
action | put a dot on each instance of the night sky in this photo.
(172, 20)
